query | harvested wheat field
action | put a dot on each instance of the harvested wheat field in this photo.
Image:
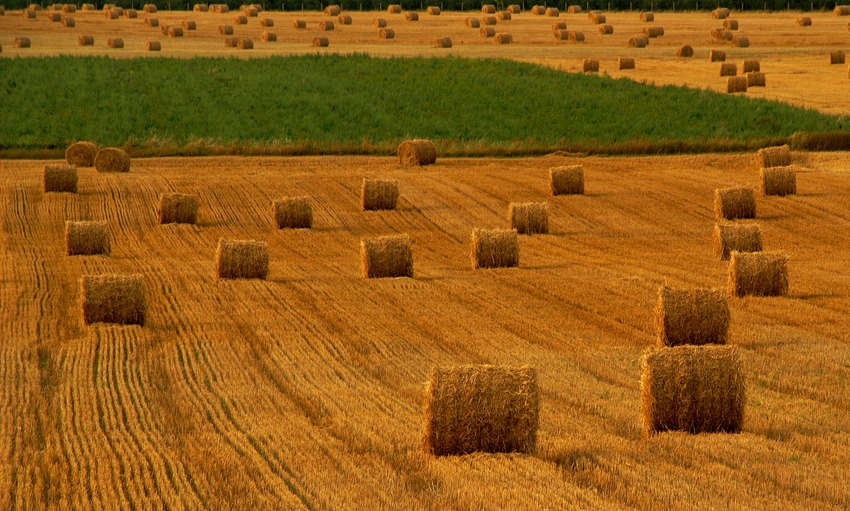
(306, 390)
(792, 57)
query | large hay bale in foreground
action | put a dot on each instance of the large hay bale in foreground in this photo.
(758, 274)
(566, 180)
(736, 84)
(494, 248)
(625, 63)
(836, 57)
(231, 42)
(685, 51)
(178, 208)
(87, 238)
(293, 213)
(114, 299)
(756, 79)
(730, 238)
(779, 181)
(60, 178)
(481, 409)
(529, 217)
(379, 194)
(81, 154)
(241, 259)
(112, 159)
(778, 156)
(386, 257)
(691, 316)
(418, 151)
(734, 203)
(698, 389)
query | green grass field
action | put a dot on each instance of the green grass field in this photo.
(359, 104)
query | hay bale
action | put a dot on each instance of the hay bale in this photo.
(730, 238)
(494, 248)
(647, 17)
(293, 213)
(514, 9)
(597, 19)
(259, 7)
(567, 180)
(189, 25)
(730, 24)
(411, 16)
(489, 20)
(394, 9)
(606, 29)
(473, 23)
(559, 25)
(69, 8)
(552, 12)
(201, 8)
(34, 7)
(481, 408)
(418, 151)
(231, 42)
(538, 10)
(590, 66)
(245, 44)
(152, 22)
(728, 69)
(240, 259)
(529, 218)
(87, 238)
(22, 42)
(758, 274)
(90, 7)
(268, 37)
(131, 14)
(734, 203)
(344, 19)
(625, 63)
(444, 42)
(321, 42)
(115, 43)
(698, 389)
(721, 13)
(779, 181)
(718, 34)
(433, 10)
(562, 35)
(638, 41)
(225, 29)
(574, 9)
(240, 20)
(60, 178)
(332, 10)
(836, 57)
(380, 22)
(685, 51)
(326, 26)
(487, 31)
(778, 156)
(717, 56)
(149, 8)
(29, 14)
(750, 65)
(504, 16)
(153, 46)
(576, 37)
(503, 38)
(691, 316)
(252, 12)
(2, 10)
(175, 32)
(55, 17)
(741, 42)
(842, 10)
(68, 22)
(386, 33)
(756, 79)
(653, 32)
(386, 257)
(110, 15)
(379, 194)
(112, 159)
(81, 154)
(222, 8)
(804, 21)
(488, 9)
(178, 208)
(116, 299)
(299, 24)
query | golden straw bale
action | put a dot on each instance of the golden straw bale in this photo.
(380, 22)
(741, 42)
(22, 42)
(60, 178)
(115, 42)
(779, 181)
(750, 65)
(178, 208)
(597, 19)
(529, 218)
(698, 389)
(225, 29)
(576, 37)
(562, 35)
(647, 17)
(240, 20)
(804, 21)
(131, 14)
(257, 6)
(299, 24)
(81, 154)
(503, 38)
(110, 15)
(326, 26)
(842, 10)
(538, 10)
(552, 12)
(593, 12)
(175, 32)
(756, 79)
(189, 25)
(149, 8)
(222, 8)
(691, 316)
(494, 248)
(504, 16)
(293, 213)
(90, 7)
(836, 57)
(153, 46)
(268, 37)
(433, 10)
(728, 69)
(321, 42)
(721, 13)
(29, 14)
(252, 12)
(113, 299)
(332, 10)
(574, 9)
(718, 34)
(68, 22)
(411, 16)
(386, 33)
(489, 20)
(730, 238)
(394, 9)
(514, 9)
(34, 7)
(344, 19)
(69, 8)
(386, 257)
(112, 159)
(567, 180)
(201, 8)
(379, 194)
(758, 274)
(625, 63)
(240, 259)
(559, 25)
(606, 29)
(734, 203)
(473, 23)
(231, 42)
(778, 156)
(87, 238)
(730, 24)
(444, 42)
(488, 9)
(164, 29)
(717, 56)
(653, 32)
(685, 51)
(418, 151)
(54, 17)
(2, 10)
(590, 66)
(245, 43)
(152, 22)
(638, 41)
(481, 408)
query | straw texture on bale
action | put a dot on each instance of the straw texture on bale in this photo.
(240, 259)
(697, 389)
(222, 8)
(836, 57)
(112, 159)
(245, 44)
(717, 56)
(685, 51)
(293, 213)
(116, 299)
(538, 10)
(647, 17)
(606, 29)
(225, 29)
(178, 208)
(730, 238)
(81, 154)
(721, 13)
(54, 17)
(175, 32)
(778, 156)
(503, 38)
(152, 22)
(576, 37)
(741, 42)
(597, 19)
(418, 151)
(115, 42)
(386, 257)
(730, 24)
(326, 26)
(590, 66)
(758, 274)
(344, 19)
(559, 25)
(625, 63)
(332, 10)
(638, 41)
(718, 34)
(70, 8)
(473, 22)
(562, 35)
(567, 180)
(756, 79)
(653, 32)
(269, 37)
(299, 24)
(87, 238)
(252, 12)
(504, 16)
(734, 203)
(201, 8)
(379, 194)
(804, 21)
(488, 9)
(153, 46)
(30, 14)
(574, 9)
(433, 10)
(240, 20)
(22, 42)
(131, 14)
(514, 9)
(552, 12)
(494, 248)
(231, 42)
(91, 7)
(411, 16)
(691, 316)
(321, 42)
(189, 25)
(779, 181)
(386, 33)
(68, 22)
(750, 65)
(149, 8)
(60, 178)
(110, 15)
(529, 217)
(728, 69)
(444, 42)
(394, 9)
(481, 409)
(489, 20)
(842, 10)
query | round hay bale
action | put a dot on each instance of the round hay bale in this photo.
(514, 9)
(69, 8)
(730, 24)
(488, 9)
(606, 29)
(538, 10)
(504, 16)
(574, 9)
(225, 29)
(344, 19)
(625, 63)
(178, 208)
(386, 33)
(252, 12)
(562, 35)
(152, 22)
(386, 257)
(293, 213)
(231, 42)
(326, 26)
(115, 43)
(118, 299)
(503, 38)
(473, 23)
(721, 13)
(189, 25)
(153, 46)
(87, 238)
(691, 316)
(717, 56)
(257, 6)
(487, 31)
(201, 8)
(299, 24)
(2, 10)
(777, 156)
(131, 14)
(240, 259)
(411, 16)
(379, 194)
(590, 66)
(34, 7)
(175, 32)
(110, 15)
(750, 65)
(222, 8)
(728, 69)
(380, 22)
(741, 42)
(417, 151)
(22, 42)
(559, 25)
(89, 7)
(112, 159)
(842, 10)
(647, 17)
(85, 40)
(804, 21)
(597, 19)
(758, 274)
(489, 20)
(245, 44)
(685, 51)
(756, 79)
(81, 154)
(481, 409)
(332, 10)
(730, 238)
(734, 203)
(60, 179)
(566, 180)
(268, 37)
(55, 17)
(444, 42)
(149, 8)
(494, 248)
(638, 41)
(718, 34)
(29, 14)
(394, 9)
(592, 13)
(433, 10)
(653, 32)
(728, 36)
(240, 20)
(552, 12)
(836, 57)
(321, 42)
(780, 181)
(529, 218)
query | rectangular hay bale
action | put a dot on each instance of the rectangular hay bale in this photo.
(730, 238)
(87, 238)
(60, 178)
(379, 194)
(691, 316)
(567, 180)
(178, 208)
(114, 299)
(758, 274)
(386, 257)
(242, 259)
(494, 248)
(734, 203)
(293, 213)
(529, 217)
